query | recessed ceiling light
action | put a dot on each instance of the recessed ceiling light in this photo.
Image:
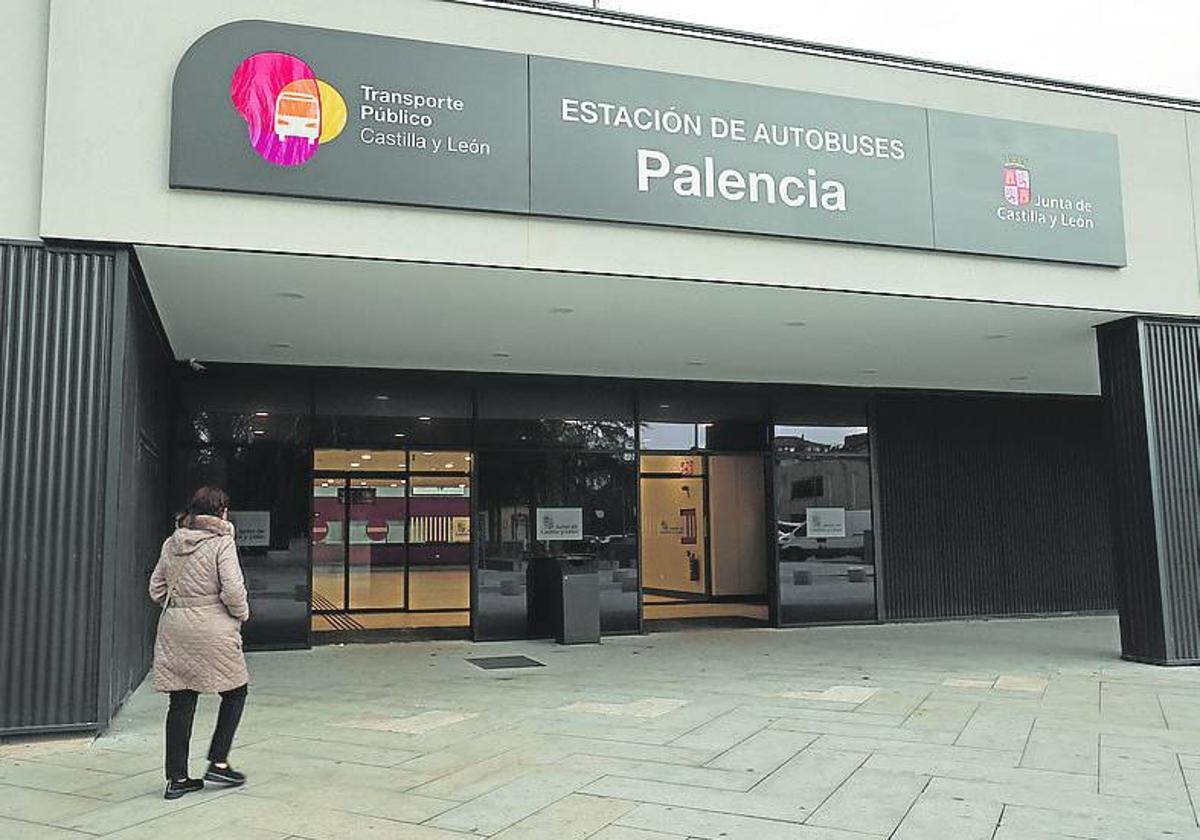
(427, 454)
(562, 310)
(424, 419)
(466, 457)
(995, 336)
(262, 414)
(399, 434)
(450, 465)
(259, 432)
(500, 354)
(290, 295)
(394, 484)
(796, 324)
(382, 397)
(366, 456)
(281, 345)
(355, 464)
(664, 405)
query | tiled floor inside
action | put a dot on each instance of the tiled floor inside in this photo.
(1001, 730)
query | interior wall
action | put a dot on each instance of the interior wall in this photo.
(673, 515)
(738, 516)
(992, 506)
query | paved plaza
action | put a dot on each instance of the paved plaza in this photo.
(1013, 730)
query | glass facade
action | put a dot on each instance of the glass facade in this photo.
(383, 500)
(824, 526)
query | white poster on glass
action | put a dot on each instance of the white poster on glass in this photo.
(251, 528)
(560, 523)
(825, 522)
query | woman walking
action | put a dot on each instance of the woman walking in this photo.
(198, 582)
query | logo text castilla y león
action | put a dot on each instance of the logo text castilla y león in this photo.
(1024, 206)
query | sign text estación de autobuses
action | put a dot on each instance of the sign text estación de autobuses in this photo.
(703, 179)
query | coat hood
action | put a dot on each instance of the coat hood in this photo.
(198, 530)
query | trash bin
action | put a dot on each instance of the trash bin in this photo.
(564, 598)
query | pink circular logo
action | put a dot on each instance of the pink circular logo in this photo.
(289, 112)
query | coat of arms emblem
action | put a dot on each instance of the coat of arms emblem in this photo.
(1016, 181)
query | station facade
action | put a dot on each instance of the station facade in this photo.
(770, 334)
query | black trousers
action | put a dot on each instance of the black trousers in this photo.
(179, 728)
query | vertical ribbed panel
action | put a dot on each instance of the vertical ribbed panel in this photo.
(1131, 494)
(991, 506)
(141, 499)
(55, 322)
(1172, 377)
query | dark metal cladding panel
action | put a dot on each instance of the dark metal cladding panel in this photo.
(1135, 547)
(991, 506)
(1172, 377)
(141, 497)
(55, 335)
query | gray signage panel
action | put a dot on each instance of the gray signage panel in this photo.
(634, 145)
(1026, 190)
(290, 110)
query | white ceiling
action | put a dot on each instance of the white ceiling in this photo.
(227, 306)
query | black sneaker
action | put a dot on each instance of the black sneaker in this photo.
(177, 789)
(225, 776)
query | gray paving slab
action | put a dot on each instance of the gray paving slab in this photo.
(763, 752)
(713, 825)
(19, 830)
(870, 801)
(935, 816)
(1069, 751)
(574, 817)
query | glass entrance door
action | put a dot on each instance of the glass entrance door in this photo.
(391, 539)
(703, 536)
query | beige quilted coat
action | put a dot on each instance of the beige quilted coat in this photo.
(199, 644)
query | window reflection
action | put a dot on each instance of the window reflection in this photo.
(359, 460)
(678, 436)
(513, 485)
(824, 523)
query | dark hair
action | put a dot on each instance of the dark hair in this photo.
(207, 501)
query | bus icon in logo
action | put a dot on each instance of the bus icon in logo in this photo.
(298, 113)
(1017, 191)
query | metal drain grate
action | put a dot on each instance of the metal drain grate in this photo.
(491, 663)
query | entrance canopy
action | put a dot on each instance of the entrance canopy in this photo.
(284, 309)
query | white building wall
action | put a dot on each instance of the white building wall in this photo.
(23, 69)
(107, 158)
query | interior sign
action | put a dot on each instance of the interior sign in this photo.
(251, 528)
(824, 522)
(560, 524)
(278, 109)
